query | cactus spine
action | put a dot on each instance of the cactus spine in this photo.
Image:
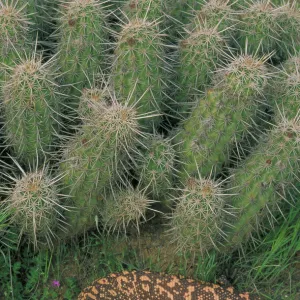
(126, 207)
(198, 55)
(263, 181)
(31, 106)
(14, 26)
(34, 205)
(223, 116)
(195, 224)
(216, 13)
(259, 25)
(92, 99)
(286, 89)
(156, 167)
(82, 35)
(93, 158)
(289, 21)
(139, 69)
(151, 10)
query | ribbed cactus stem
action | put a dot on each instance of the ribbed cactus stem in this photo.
(198, 54)
(156, 168)
(92, 99)
(126, 207)
(263, 181)
(285, 89)
(223, 116)
(195, 224)
(31, 106)
(14, 36)
(289, 21)
(259, 25)
(150, 10)
(34, 206)
(82, 43)
(216, 13)
(138, 73)
(94, 158)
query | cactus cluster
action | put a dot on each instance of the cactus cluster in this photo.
(142, 106)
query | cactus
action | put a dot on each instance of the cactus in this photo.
(34, 205)
(126, 207)
(289, 21)
(156, 168)
(216, 13)
(195, 224)
(40, 13)
(179, 13)
(150, 10)
(14, 36)
(285, 89)
(31, 105)
(198, 55)
(82, 37)
(139, 69)
(91, 100)
(263, 181)
(93, 158)
(223, 116)
(259, 25)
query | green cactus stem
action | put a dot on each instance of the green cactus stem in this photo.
(82, 44)
(156, 168)
(139, 69)
(263, 182)
(195, 224)
(33, 203)
(124, 208)
(223, 116)
(31, 106)
(93, 159)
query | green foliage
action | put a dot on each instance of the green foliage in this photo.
(269, 264)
